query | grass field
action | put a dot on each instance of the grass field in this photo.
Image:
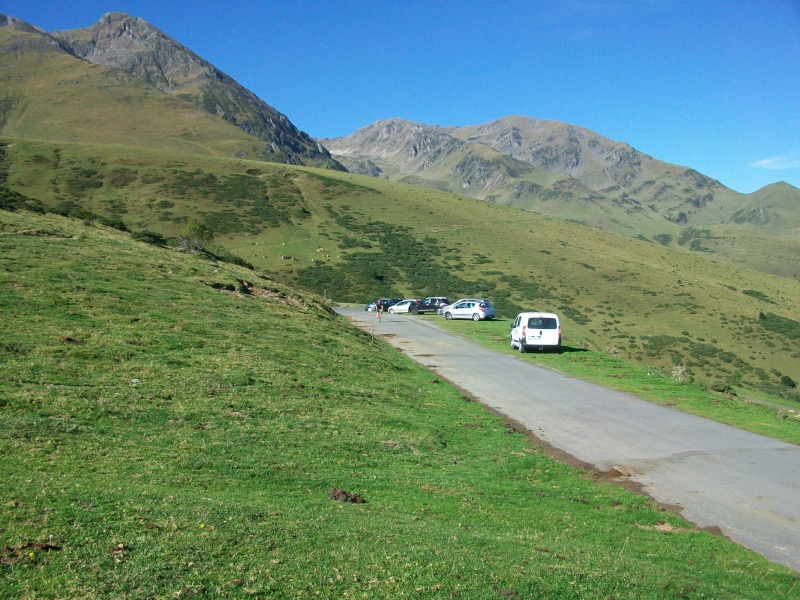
(163, 436)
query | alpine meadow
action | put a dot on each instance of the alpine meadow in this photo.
(183, 414)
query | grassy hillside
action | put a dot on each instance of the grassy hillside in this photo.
(173, 426)
(354, 238)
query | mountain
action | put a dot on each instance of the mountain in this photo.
(570, 172)
(499, 161)
(613, 169)
(132, 46)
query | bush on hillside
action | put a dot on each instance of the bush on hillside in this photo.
(195, 236)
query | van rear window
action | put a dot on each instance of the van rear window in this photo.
(542, 323)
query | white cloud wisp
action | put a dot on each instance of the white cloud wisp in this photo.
(778, 163)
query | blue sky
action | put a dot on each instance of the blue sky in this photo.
(708, 84)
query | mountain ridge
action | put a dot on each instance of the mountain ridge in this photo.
(132, 45)
(571, 172)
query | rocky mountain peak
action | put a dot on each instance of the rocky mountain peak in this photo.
(410, 147)
(9, 21)
(129, 43)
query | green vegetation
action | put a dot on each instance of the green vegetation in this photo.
(758, 295)
(789, 328)
(665, 239)
(173, 426)
(352, 238)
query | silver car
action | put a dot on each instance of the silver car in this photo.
(476, 309)
(404, 306)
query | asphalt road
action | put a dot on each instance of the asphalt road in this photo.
(746, 485)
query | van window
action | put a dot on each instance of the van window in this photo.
(542, 323)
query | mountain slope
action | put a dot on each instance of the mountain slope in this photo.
(573, 173)
(49, 94)
(131, 46)
(174, 427)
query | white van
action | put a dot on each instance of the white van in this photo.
(536, 330)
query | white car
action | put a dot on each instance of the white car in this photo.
(536, 330)
(476, 309)
(404, 306)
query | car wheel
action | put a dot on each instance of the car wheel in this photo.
(476, 317)
(391, 311)
(522, 348)
(448, 315)
(413, 311)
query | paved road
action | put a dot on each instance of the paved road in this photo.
(745, 484)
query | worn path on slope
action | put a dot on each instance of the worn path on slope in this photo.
(745, 484)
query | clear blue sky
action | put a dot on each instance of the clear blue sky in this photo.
(709, 84)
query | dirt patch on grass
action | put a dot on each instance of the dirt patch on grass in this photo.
(13, 555)
(343, 496)
(273, 295)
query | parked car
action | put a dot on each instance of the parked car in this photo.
(403, 306)
(469, 308)
(385, 302)
(429, 305)
(536, 330)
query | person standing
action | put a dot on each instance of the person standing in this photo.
(378, 309)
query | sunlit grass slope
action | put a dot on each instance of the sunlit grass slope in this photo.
(353, 238)
(172, 426)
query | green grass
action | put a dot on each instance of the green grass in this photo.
(162, 438)
(353, 238)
